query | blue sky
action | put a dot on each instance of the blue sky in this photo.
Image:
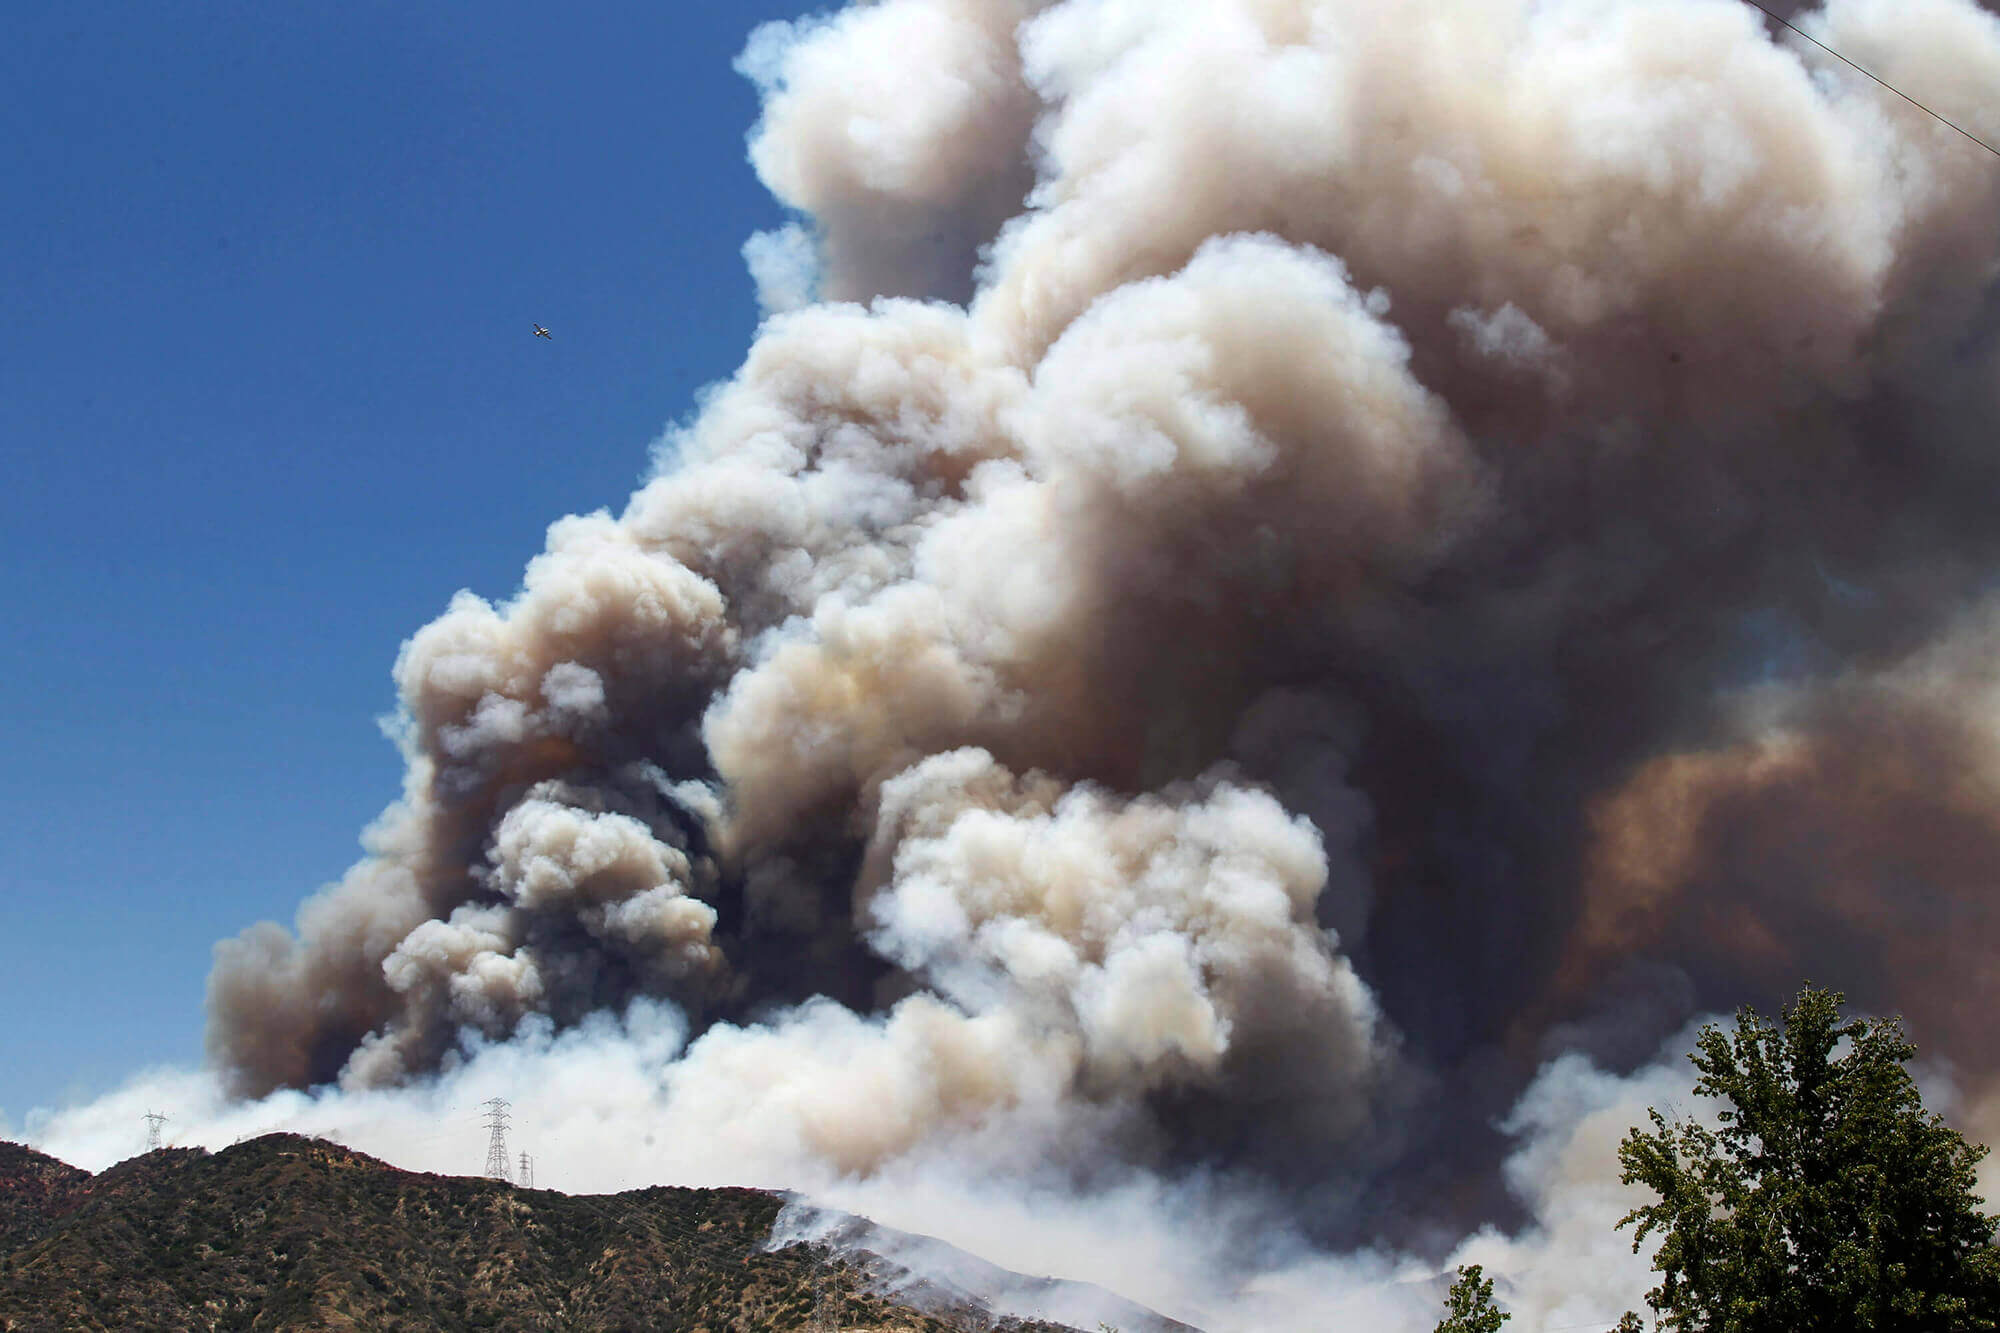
(269, 395)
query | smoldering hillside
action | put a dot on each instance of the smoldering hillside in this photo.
(1304, 560)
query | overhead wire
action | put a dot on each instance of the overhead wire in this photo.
(1871, 74)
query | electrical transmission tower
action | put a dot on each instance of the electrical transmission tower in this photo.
(496, 1146)
(828, 1299)
(527, 1176)
(153, 1122)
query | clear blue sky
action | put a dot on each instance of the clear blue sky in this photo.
(269, 395)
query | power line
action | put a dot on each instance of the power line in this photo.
(496, 1143)
(1884, 82)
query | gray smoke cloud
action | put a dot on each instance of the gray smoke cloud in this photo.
(1308, 563)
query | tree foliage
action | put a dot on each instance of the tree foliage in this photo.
(1828, 1199)
(1469, 1307)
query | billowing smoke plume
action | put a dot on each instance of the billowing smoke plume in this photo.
(1314, 557)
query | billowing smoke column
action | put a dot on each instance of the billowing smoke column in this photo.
(1314, 556)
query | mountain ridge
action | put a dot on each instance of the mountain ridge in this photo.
(286, 1232)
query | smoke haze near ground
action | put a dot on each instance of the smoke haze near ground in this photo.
(594, 1105)
(1312, 575)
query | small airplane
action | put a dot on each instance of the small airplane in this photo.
(541, 332)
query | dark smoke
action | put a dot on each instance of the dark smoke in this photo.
(1425, 544)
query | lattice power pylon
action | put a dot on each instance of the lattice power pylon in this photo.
(527, 1176)
(496, 1144)
(153, 1122)
(828, 1299)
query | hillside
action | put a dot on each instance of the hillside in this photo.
(35, 1190)
(292, 1233)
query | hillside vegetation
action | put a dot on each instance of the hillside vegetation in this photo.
(293, 1233)
(35, 1190)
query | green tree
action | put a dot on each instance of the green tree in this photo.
(1828, 1199)
(1469, 1307)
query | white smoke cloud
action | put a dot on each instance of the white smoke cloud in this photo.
(784, 267)
(611, 1104)
(900, 127)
